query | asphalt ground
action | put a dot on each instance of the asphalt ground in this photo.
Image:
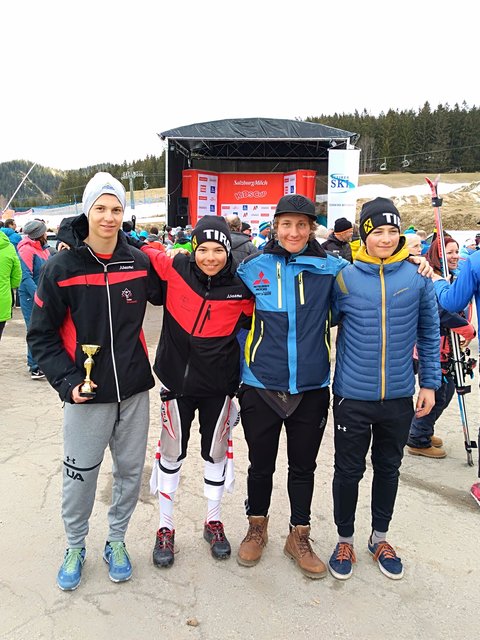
(435, 530)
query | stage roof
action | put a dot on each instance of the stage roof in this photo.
(257, 138)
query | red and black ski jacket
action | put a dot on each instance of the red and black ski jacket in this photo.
(84, 299)
(198, 353)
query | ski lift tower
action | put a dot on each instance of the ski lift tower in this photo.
(130, 175)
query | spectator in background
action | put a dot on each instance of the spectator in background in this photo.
(10, 278)
(153, 231)
(469, 247)
(127, 227)
(242, 246)
(422, 441)
(355, 242)
(338, 242)
(423, 237)
(168, 236)
(264, 229)
(33, 253)
(247, 229)
(182, 242)
(414, 244)
(10, 230)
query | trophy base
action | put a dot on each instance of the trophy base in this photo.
(87, 394)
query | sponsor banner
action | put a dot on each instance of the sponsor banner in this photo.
(254, 214)
(289, 183)
(253, 196)
(343, 167)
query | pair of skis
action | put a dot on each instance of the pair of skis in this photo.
(459, 364)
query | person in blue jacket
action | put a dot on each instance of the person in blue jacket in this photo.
(383, 306)
(286, 375)
(456, 297)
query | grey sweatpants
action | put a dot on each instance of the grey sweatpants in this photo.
(87, 430)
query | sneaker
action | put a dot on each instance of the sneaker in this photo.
(37, 374)
(215, 535)
(119, 566)
(475, 492)
(341, 561)
(164, 549)
(70, 573)
(388, 561)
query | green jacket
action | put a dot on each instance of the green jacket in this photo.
(10, 276)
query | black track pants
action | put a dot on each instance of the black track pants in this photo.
(304, 429)
(357, 423)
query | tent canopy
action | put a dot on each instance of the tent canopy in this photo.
(247, 145)
(260, 138)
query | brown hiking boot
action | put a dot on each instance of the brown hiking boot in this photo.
(428, 452)
(251, 547)
(436, 441)
(298, 548)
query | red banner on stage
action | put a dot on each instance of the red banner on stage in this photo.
(253, 196)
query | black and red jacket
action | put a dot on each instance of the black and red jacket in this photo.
(198, 353)
(83, 299)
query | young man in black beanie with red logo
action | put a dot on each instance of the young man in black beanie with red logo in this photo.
(338, 242)
(197, 362)
(383, 307)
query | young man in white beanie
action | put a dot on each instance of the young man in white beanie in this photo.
(96, 294)
(33, 253)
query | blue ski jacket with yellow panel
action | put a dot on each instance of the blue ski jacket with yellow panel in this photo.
(288, 346)
(383, 308)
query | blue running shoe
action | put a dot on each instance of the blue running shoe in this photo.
(118, 560)
(388, 561)
(341, 561)
(70, 573)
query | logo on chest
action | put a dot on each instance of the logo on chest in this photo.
(127, 295)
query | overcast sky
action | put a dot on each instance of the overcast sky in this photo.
(89, 82)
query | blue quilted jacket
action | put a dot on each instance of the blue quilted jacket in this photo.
(288, 346)
(384, 308)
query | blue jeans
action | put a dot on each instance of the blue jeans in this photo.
(421, 429)
(26, 304)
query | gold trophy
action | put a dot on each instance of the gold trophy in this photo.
(89, 350)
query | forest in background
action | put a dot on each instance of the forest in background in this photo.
(440, 140)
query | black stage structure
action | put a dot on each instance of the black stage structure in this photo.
(247, 145)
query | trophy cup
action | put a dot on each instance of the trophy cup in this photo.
(89, 350)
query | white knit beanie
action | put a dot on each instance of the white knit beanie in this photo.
(101, 183)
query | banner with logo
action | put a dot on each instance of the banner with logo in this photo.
(252, 196)
(343, 168)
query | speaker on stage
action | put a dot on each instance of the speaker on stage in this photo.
(182, 212)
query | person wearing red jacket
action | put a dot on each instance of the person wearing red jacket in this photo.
(33, 253)
(197, 362)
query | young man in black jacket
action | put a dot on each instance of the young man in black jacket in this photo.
(96, 294)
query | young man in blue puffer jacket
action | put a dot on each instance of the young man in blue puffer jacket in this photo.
(383, 307)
